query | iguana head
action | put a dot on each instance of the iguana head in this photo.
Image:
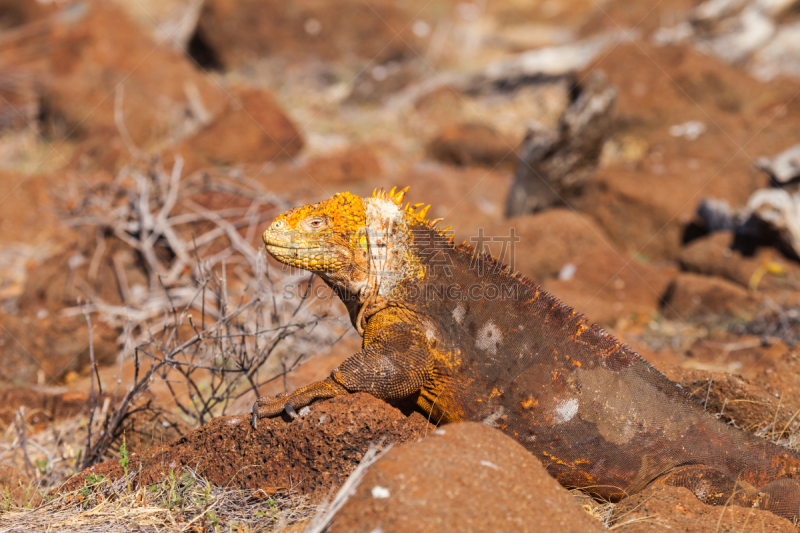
(327, 237)
(359, 246)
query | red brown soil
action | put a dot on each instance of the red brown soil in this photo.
(782, 379)
(252, 129)
(645, 205)
(463, 478)
(609, 286)
(472, 144)
(237, 31)
(15, 13)
(36, 349)
(738, 400)
(746, 355)
(354, 165)
(312, 454)
(676, 509)
(42, 404)
(68, 275)
(27, 209)
(564, 233)
(714, 255)
(645, 17)
(694, 295)
(90, 57)
(18, 486)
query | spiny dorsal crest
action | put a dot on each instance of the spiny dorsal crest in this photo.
(413, 210)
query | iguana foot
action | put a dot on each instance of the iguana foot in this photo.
(266, 407)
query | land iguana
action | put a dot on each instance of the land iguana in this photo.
(463, 337)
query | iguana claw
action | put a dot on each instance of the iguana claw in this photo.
(254, 420)
(268, 407)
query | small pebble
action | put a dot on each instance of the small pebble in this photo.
(380, 492)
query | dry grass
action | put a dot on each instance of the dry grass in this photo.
(600, 511)
(182, 502)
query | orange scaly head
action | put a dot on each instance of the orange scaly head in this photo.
(325, 237)
(362, 247)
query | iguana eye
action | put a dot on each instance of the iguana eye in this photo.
(316, 223)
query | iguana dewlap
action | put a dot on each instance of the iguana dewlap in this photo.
(465, 339)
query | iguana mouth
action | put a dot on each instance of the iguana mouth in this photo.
(301, 255)
(297, 248)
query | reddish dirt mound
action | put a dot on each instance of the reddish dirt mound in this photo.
(472, 144)
(564, 233)
(235, 31)
(53, 346)
(463, 477)
(644, 205)
(354, 165)
(27, 214)
(608, 286)
(18, 486)
(312, 454)
(738, 400)
(62, 280)
(94, 50)
(41, 404)
(783, 379)
(697, 296)
(766, 269)
(671, 509)
(253, 129)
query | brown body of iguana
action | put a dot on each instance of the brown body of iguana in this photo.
(465, 339)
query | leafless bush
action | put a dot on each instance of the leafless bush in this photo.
(210, 325)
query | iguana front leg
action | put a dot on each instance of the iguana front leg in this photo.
(394, 365)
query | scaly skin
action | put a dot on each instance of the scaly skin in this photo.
(466, 339)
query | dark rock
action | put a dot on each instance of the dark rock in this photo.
(716, 255)
(556, 164)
